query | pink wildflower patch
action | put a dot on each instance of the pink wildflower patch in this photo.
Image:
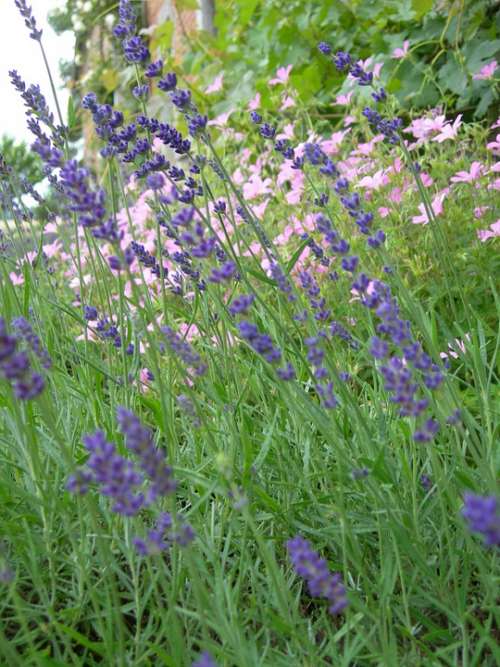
(400, 53)
(282, 76)
(436, 206)
(216, 85)
(492, 232)
(487, 71)
(254, 102)
(344, 100)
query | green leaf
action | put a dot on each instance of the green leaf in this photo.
(247, 8)
(296, 256)
(110, 79)
(71, 113)
(182, 5)
(421, 7)
(162, 37)
(96, 647)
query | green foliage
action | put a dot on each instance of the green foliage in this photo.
(21, 159)
(449, 42)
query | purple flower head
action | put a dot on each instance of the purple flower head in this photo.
(325, 48)
(181, 98)
(379, 348)
(267, 131)
(155, 181)
(163, 535)
(255, 117)
(183, 350)
(15, 365)
(197, 124)
(350, 263)
(140, 91)
(139, 440)
(426, 482)
(115, 476)
(135, 49)
(282, 281)
(377, 239)
(154, 69)
(380, 95)
(427, 431)
(205, 660)
(241, 304)
(287, 373)
(168, 82)
(482, 514)
(321, 582)
(364, 78)
(342, 61)
(29, 20)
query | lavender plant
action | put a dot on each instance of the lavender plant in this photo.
(293, 378)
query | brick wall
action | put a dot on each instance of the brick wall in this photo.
(185, 21)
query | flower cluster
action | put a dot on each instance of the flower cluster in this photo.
(131, 487)
(134, 48)
(205, 660)
(482, 514)
(15, 363)
(183, 350)
(321, 582)
(29, 20)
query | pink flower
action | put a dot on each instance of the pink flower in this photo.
(287, 102)
(479, 211)
(367, 148)
(494, 146)
(476, 171)
(456, 345)
(216, 85)
(52, 249)
(495, 124)
(254, 102)
(343, 100)
(449, 131)
(260, 209)
(30, 256)
(50, 228)
(383, 211)
(492, 232)
(282, 76)
(421, 128)
(255, 187)
(331, 145)
(287, 132)
(294, 196)
(221, 120)
(16, 279)
(378, 180)
(487, 71)
(145, 379)
(401, 53)
(437, 207)
(427, 180)
(349, 120)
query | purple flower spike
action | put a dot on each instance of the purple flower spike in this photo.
(139, 440)
(482, 514)
(321, 582)
(29, 20)
(205, 660)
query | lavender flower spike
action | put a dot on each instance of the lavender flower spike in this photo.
(205, 660)
(482, 514)
(29, 20)
(321, 582)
